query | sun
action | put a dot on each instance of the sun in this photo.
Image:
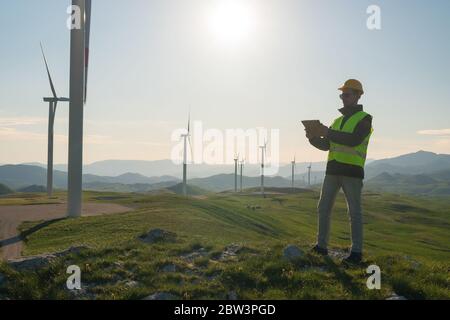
(231, 21)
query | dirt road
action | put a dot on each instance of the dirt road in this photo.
(12, 216)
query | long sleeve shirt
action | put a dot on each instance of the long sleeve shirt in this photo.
(349, 139)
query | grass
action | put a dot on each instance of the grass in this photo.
(406, 236)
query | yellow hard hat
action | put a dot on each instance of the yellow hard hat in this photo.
(352, 84)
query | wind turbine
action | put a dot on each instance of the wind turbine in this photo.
(236, 159)
(52, 104)
(309, 174)
(263, 152)
(79, 56)
(293, 172)
(186, 136)
(242, 167)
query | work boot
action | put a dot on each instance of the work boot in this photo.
(320, 251)
(353, 258)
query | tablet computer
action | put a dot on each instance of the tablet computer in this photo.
(311, 124)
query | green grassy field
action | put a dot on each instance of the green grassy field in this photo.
(408, 237)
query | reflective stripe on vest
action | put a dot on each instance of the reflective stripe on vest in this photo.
(346, 154)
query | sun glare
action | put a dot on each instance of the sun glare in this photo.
(231, 21)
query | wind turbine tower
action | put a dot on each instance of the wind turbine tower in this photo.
(186, 136)
(241, 167)
(52, 104)
(79, 56)
(236, 160)
(263, 153)
(309, 174)
(293, 173)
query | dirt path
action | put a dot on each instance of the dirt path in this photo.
(12, 216)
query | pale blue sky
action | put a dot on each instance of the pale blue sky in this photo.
(150, 60)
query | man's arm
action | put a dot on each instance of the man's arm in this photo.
(320, 143)
(352, 139)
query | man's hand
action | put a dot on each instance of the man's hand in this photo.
(322, 130)
(317, 132)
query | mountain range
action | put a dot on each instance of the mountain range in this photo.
(417, 173)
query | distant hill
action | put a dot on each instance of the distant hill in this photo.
(421, 162)
(223, 182)
(437, 183)
(191, 190)
(120, 187)
(20, 176)
(5, 190)
(113, 168)
(33, 189)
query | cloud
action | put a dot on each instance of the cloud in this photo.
(435, 132)
(14, 135)
(21, 121)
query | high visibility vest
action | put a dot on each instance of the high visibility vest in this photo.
(346, 154)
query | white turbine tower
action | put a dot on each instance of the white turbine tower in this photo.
(236, 160)
(242, 169)
(309, 174)
(52, 104)
(79, 54)
(293, 172)
(186, 136)
(263, 153)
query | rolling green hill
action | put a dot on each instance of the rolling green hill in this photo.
(435, 184)
(5, 190)
(407, 237)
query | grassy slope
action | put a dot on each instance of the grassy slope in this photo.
(407, 237)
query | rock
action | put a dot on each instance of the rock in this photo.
(169, 268)
(131, 284)
(158, 235)
(338, 253)
(395, 296)
(161, 296)
(292, 252)
(30, 263)
(190, 257)
(230, 252)
(39, 261)
(232, 295)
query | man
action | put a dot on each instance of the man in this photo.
(346, 140)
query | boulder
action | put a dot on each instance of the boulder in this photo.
(39, 261)
(161, 296)
(395, 296)
(158, 235)
(292, 252)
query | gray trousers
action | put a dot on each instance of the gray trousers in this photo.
(352, 188)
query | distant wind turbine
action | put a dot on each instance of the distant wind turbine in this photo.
(242, 167)
(236, 160)
(52, 104)
(263, 153)
(293, 172)
(186, 136)
(309, 174)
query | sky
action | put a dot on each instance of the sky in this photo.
(244, 65)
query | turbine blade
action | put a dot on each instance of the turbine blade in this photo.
(48, 73)
(190, 147)
(189, 121)
(87, 33)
